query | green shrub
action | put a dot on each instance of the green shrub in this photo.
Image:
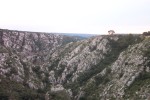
(17, 91)
(146, 33)
(60, 95)
(141, 81)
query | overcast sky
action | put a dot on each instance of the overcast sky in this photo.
(76, 16)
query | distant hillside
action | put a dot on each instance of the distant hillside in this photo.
(79, 35)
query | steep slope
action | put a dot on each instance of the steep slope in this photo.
(22, 57)
(79, 65)
(43, 66)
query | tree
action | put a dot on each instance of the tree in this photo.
(146, 33)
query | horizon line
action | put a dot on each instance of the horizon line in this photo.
(68, 32)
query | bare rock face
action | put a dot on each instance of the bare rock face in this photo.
(23, 56)
(84, 55)
(47, 66)
(124, 71)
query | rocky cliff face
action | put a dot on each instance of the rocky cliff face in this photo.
(23, 56)
(45, 66)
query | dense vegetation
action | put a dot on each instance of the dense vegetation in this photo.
(12, 90)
